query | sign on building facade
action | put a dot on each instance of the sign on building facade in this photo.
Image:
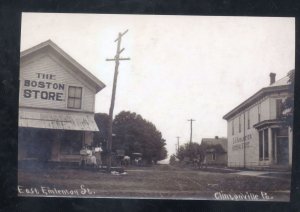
(56, 105)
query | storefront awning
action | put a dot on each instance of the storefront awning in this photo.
(60, 120)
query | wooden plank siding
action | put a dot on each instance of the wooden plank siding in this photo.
(46, 64)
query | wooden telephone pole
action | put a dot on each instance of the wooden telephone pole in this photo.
(113, 96)
(191, 136)
(178, 145)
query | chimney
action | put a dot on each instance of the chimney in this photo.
(272, 78)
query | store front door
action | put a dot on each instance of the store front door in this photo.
(282, 151)
(39, 144)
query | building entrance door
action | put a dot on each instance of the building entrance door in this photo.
(282, 151)
(39, 145)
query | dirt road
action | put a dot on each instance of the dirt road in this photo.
(162, 181)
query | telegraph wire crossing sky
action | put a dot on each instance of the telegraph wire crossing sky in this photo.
(181, 67)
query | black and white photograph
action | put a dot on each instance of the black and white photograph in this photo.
(156, 106)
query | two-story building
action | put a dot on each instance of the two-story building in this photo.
(56, 105)
(256, 136)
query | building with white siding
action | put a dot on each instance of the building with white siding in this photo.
(56, 105)
(256, 136)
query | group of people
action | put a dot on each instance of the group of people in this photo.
(200, 162)
(91, 156)
(138, 161)
(125, 161)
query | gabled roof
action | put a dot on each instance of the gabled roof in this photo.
(217, 148)
(78, 69)
(280, 85)
(215, 142)
(280, 82)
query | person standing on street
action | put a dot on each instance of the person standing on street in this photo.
(98, 151)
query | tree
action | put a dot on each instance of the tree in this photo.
(162, 154)
(135, 134)
(181, 153)
(288, 103)
(196, 151)
(191, 150)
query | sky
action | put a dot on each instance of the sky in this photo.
(181, 67)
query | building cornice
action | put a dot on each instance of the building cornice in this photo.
(268, 123)
(254, 98)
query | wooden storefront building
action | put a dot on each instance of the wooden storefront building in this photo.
(56, 105)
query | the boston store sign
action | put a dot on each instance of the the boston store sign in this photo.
(45, 88)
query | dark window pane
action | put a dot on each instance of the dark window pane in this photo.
(258, 113)
(283, 132)
(273, 142)
(248, 121)
(214, 156)
(71, 143)
(260, 145)
(266, 144)
(278, 108)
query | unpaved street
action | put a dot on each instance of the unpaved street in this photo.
(161, 181)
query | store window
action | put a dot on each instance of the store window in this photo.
(266, 145)
(248, 119)
(261, 145)
(71, 142)
(279, 108)
(283, 132)
(240, 128)
(259, 113)
(74, 97)
(214, 157)
(38, 143)
(274, 135)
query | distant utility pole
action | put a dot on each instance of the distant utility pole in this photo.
(177, 144)
(112, 104)
(191, 137)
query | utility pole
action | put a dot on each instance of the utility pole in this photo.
(177, 144)
(191, 136)
(112, 104)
